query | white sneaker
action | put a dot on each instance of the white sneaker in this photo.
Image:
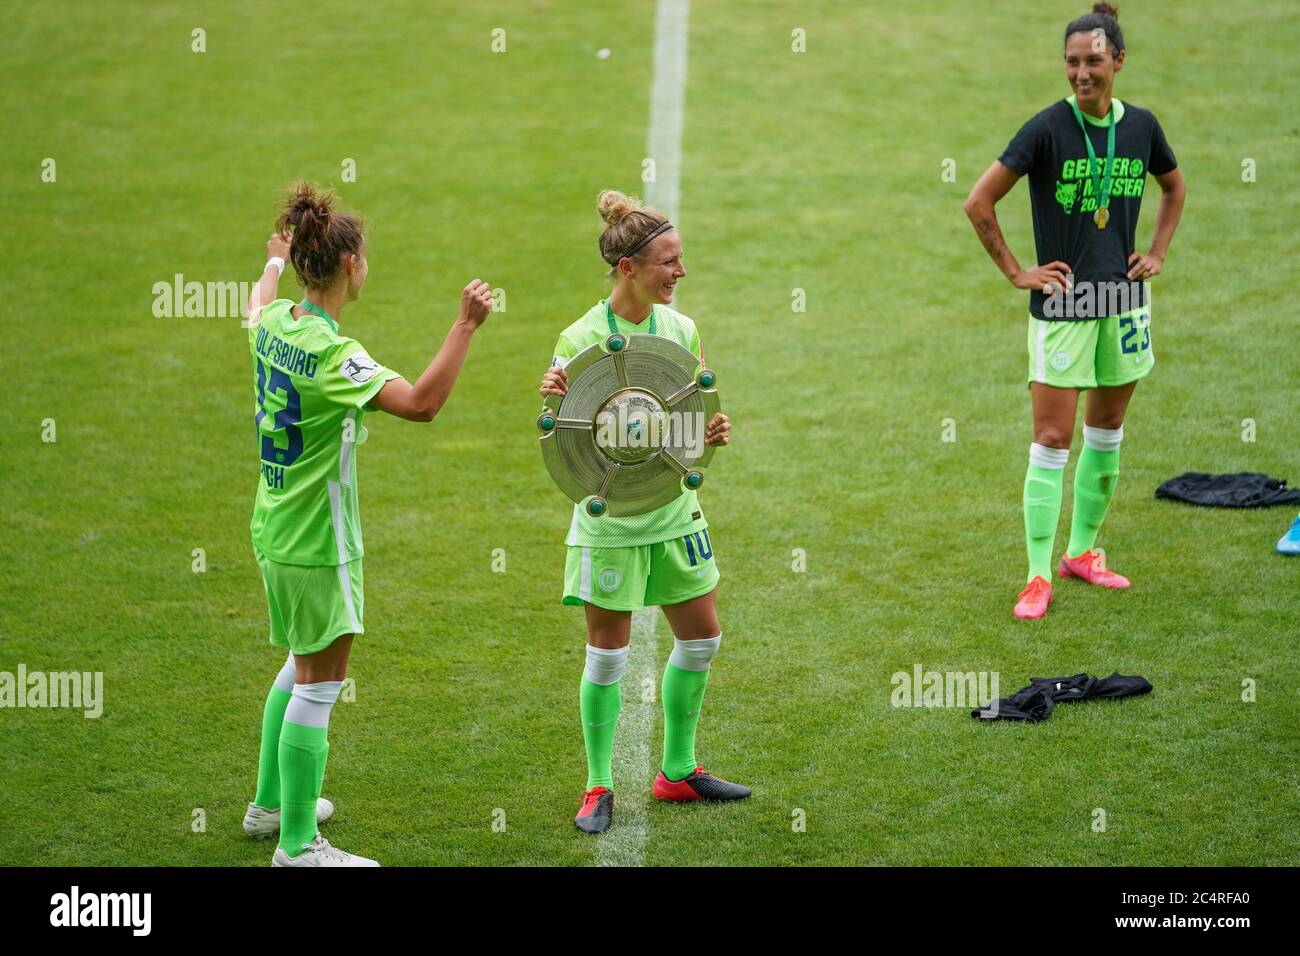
(261, 823)
(320, 853)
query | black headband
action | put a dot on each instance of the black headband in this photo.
(658, 231)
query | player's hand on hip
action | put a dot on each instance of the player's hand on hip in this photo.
(278, 245)
(1144, 267)
(719, 430)
(554, 382)
(475, 303)
(1048, 277)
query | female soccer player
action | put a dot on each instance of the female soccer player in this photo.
(311, 388)
(665, 557)
(1089, 325)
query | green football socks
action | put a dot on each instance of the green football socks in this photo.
(303, 751)
(685, 677)
(304, 748)
(1094, 485)
(600, 708)
(1043, 484)
(268, 763)
(600, 698)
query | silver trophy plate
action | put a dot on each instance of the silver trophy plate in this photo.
(629, 436)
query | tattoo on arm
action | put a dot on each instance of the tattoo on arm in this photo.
(991, 236)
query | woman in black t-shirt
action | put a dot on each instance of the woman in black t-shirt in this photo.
(1087, 158)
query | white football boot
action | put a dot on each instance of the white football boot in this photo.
(261, 823)
(320, 853)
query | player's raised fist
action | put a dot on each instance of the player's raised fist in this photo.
(476, 302)
(278, 245)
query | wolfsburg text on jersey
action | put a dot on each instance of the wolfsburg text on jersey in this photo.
(288, 357)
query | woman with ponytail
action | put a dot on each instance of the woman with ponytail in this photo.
(312, 386)
(665, 557)
(1087, 158)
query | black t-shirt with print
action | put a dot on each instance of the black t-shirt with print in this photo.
(1051, 150)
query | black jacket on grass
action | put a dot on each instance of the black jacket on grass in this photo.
(1245, 489)
(1037, 701)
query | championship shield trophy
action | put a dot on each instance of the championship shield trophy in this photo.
(629, 435)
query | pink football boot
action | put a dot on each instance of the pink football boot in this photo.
(1091, 567)
(1033, 600)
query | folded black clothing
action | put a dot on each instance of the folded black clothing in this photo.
(1245, 489)
(1117, 685)
(1083, 687)
(1037, 701)
(1064, 689)
(1033, 703)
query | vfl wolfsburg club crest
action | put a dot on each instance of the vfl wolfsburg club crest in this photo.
(629, 435)
(1066, 194)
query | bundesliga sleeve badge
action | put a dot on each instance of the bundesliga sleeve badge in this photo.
(629, 436)
(359, 368)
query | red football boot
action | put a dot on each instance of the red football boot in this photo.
(1091, 567)
(698, 785)
(1033, 600)
(597, 811)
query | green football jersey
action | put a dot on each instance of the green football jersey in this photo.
(679, 517)
(310, 388)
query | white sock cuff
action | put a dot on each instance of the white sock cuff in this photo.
(605, 665)
(1045, 457)
(694, 655)
(1103, 439)
(311, 703)
(284, 680)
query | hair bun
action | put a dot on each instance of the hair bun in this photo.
(322, 236)
(310, 205)
(1107, 9)
(614, 206)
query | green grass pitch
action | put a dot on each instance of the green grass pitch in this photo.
(819, 171)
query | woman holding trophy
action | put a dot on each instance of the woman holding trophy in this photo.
(663, 557)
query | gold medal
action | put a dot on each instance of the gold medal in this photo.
(1100, 185)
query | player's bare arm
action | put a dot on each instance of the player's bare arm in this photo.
(1173, 191)
(268, 284)
(980, 205)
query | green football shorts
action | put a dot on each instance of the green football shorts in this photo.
(1091, 353)
(312, 605)
(647, 575)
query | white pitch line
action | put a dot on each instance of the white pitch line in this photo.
(624, 844)
(667, 103)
